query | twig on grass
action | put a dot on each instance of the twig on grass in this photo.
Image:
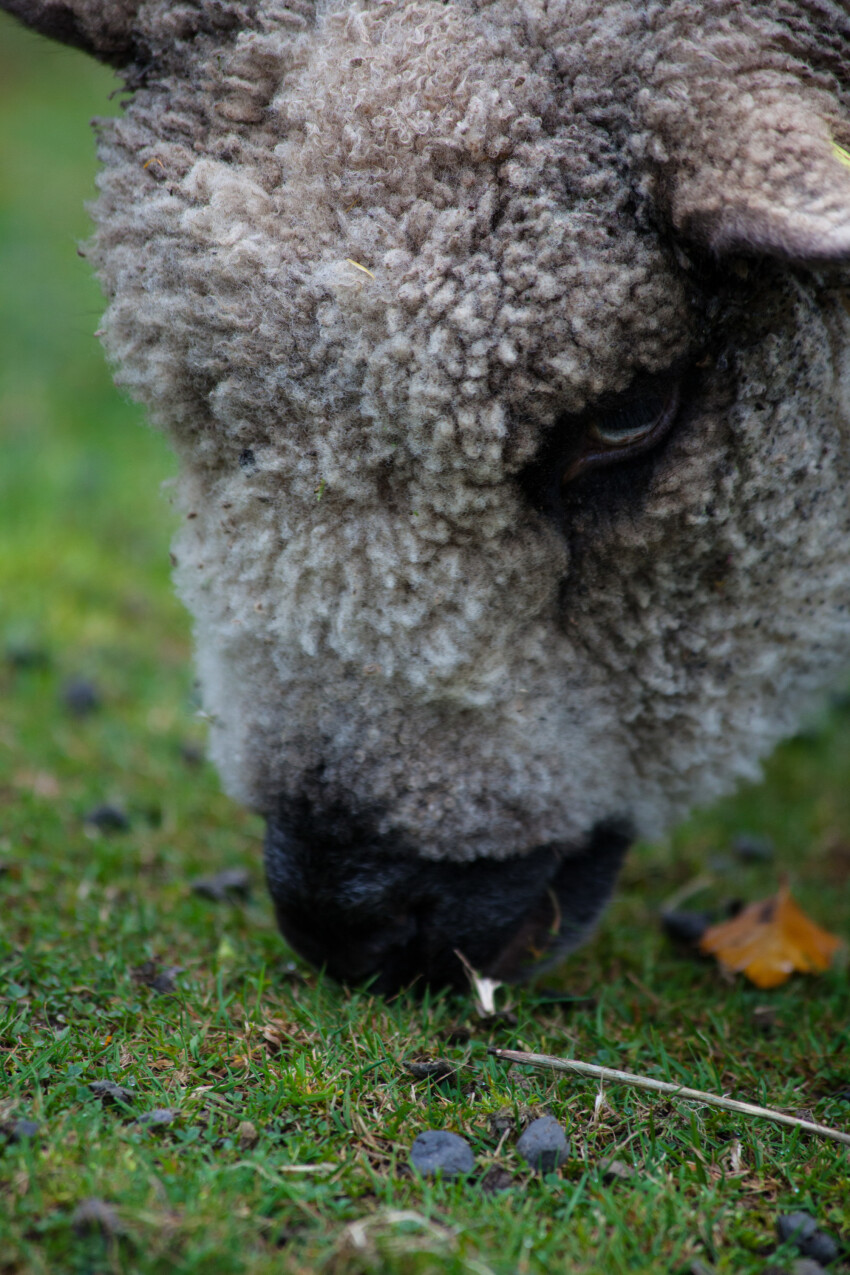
(666, 1087)
(274, 1175)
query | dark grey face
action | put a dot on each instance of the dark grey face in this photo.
(369, 912)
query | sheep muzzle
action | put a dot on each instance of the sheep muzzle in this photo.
(370, 912)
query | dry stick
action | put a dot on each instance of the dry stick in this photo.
(664, 1086)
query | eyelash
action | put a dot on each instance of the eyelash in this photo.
(616, 429)
(629, 426)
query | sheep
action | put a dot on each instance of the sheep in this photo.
(504, 348)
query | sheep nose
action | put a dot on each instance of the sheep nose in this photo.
(368, 912)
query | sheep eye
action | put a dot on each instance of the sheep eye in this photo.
(627, 427)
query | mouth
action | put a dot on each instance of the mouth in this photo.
(374, 913)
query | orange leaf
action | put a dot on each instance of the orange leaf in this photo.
(769, 940)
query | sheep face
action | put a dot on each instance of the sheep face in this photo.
(505, 351)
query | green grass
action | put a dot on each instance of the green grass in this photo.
(269, 1066)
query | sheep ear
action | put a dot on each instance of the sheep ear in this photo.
(767, 179)
(103, 28)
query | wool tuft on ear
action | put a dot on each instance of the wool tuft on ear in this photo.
(785, 193)
(103, 28)
(747, 143)
(145, 33)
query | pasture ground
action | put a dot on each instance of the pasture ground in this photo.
(269, 1068)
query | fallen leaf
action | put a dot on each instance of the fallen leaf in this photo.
(275, 1032)
(769, 940)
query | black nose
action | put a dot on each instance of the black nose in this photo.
(367, 910)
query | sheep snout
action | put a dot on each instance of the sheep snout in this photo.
(370, 912)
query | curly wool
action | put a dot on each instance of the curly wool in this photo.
(362, 259)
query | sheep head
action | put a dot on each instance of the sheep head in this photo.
(505, 350)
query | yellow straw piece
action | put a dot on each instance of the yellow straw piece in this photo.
(357, 265)
(841, 154)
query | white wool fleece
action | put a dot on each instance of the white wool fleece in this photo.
(364, 260)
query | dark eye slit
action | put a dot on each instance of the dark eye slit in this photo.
(611, 432)
(634, 417)
(633, 426)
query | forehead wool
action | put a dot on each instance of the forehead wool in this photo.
(362, 262)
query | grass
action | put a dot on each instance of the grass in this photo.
(269, 1067)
